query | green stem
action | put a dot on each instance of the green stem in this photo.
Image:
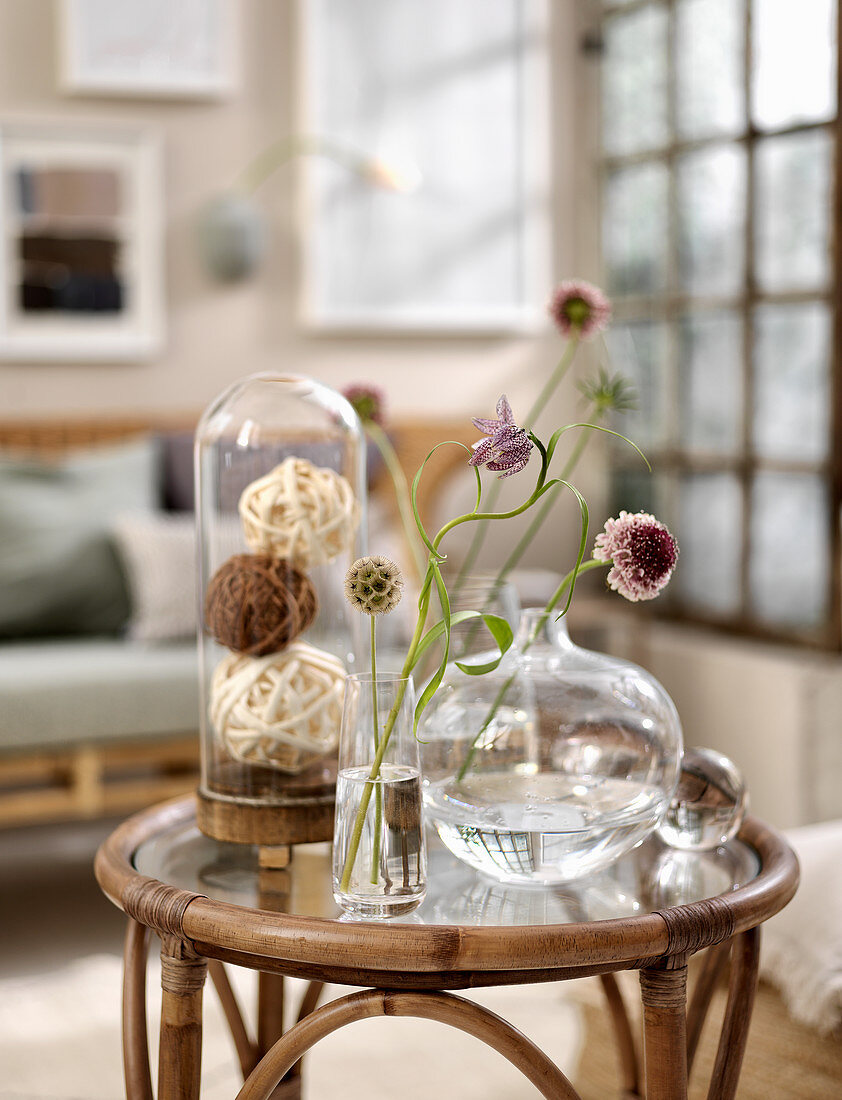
(401, 486)
(539, 626)
(268, 161)
(285, 149)
(547, 390)
(552, 383)
(378, 810)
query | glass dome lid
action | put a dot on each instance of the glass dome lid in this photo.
(281, 500)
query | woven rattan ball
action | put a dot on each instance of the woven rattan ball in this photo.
(257, 604)
(301, 512)
(281, 711)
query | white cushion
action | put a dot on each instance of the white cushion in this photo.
(158, 551)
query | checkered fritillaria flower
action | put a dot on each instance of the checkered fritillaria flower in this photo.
(507, 448)
(374, 585)
(579, 308)
(643, 554)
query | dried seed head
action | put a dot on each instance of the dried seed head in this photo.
(373, 585)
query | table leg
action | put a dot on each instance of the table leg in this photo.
(444, 1007)
(664, 995)
(270, 1010)
(270, 1027)
(712, 964)
(275, 888)
(246, 1049)
(629, 1073)
(135, 1039)
(745, 963)
(180, 1057)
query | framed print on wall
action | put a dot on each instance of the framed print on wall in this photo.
(148, 48)
(81, 271)
(448, 105)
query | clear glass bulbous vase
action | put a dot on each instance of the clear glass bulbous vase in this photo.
(554, 765)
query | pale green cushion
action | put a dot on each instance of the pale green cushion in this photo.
(76, 690)
(59, 571)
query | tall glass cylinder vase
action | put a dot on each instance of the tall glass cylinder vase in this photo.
(379, 853)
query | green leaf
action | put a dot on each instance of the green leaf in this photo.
(479, 489)
(556, 436)
(414, 491)
(425, 587)
(499, 629)
(436, 631)
(583, 542)
(502, 634)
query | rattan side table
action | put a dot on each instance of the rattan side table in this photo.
(213, 903)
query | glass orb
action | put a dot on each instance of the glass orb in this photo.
(709, 803)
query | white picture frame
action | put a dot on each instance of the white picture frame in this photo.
(468, 251)
(175, 49)
(130, 158)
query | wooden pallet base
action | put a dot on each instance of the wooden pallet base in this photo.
(306, 816)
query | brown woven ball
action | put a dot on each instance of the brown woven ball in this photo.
(257, 604)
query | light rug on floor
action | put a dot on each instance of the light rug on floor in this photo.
(60, 1040)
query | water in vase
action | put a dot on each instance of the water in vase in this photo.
(544, 827)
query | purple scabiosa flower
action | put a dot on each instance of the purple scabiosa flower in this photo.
(579, 308)
(368, 402)
(643, 554)
(507, 448)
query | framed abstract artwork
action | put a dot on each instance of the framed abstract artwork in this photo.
(81, 272)
(425, 208)
(149, 48)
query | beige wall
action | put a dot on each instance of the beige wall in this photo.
(774, 710)
(219, 333)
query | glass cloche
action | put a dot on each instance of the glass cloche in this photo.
(280, 491)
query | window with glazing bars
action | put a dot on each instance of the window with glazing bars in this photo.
(719, 159)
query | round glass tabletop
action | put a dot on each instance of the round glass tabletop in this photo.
(649, 878)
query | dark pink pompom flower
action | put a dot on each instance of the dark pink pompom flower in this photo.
(643, 555)
(507, 448)
(368, 402)
(579, 308)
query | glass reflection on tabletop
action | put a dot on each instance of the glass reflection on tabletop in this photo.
(676, 877)
(651, 877)
(457, 895)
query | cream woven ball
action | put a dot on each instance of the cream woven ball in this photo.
(301, 512)
(283, 710)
